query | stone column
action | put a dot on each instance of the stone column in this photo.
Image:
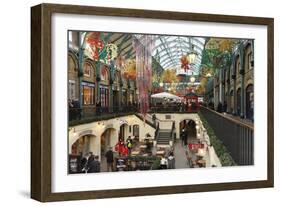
(242, 73)
(233, 77)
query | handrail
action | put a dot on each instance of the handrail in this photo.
(156, 134)
(172, 130)
(231, 119)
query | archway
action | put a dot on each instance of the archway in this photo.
(250, 102)
(188, 127)
(238, 99)
(108, 139)
(123, 132)
(136, 131)
(84, 145)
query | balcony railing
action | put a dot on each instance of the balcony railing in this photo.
(177, 108)
(237, 136)
(89, 114)
(86, 115)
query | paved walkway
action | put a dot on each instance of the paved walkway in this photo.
(180, 155)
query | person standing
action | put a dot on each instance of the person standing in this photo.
(171, 161)
(109, 160)
(182, 137)
(154, 119)
(185, 136)
(94, 165)
(129, 144)
(163, 163)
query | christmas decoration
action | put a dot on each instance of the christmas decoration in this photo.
(96, 44)
(144, 67)
(184, 62)
(111, 51)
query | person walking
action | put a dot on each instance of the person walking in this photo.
(109, 159)
(171, 161)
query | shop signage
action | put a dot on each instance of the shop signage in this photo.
(195, 146)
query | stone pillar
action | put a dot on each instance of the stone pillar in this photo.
(233, 77)
(98, 79)
(228, 100)
(242, 73)
(220, 86)
(80, 67)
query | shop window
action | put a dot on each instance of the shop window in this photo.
(88, 93)
(71, 89)
(249, 66)
(136, 130)
(104, 74)
(104, 96)
(237, 69)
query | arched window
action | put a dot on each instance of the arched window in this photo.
(87, 70)
(104, 73)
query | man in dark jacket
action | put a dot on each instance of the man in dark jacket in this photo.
(109, 160)
(94, 165)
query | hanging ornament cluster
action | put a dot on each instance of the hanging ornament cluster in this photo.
(95, 43)
(111, 51)
(213, 43)
(206, 71)
(144, 70)
(130, 69)
(226, 45)
(184, 62)
(169, 76)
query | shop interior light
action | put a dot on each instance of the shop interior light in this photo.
(192, 79)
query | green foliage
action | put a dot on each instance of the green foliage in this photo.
(156, 164)
(221, 150)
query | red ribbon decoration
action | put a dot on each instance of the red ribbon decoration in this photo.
(93, 39)
(184, 63)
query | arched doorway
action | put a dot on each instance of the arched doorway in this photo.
(84, 145)
(123, 132)
(238, 99)
(136, 131)
(108, 139)
(250, 102)
(188, 127)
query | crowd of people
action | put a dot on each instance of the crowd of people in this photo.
(90, 163)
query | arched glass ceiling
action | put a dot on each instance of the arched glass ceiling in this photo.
(171, 48)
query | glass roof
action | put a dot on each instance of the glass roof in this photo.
(170, 49)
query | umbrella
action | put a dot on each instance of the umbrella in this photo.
(163, 95)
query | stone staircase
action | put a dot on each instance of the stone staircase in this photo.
(163, 137)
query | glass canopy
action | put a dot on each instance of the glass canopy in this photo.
(169, 50)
